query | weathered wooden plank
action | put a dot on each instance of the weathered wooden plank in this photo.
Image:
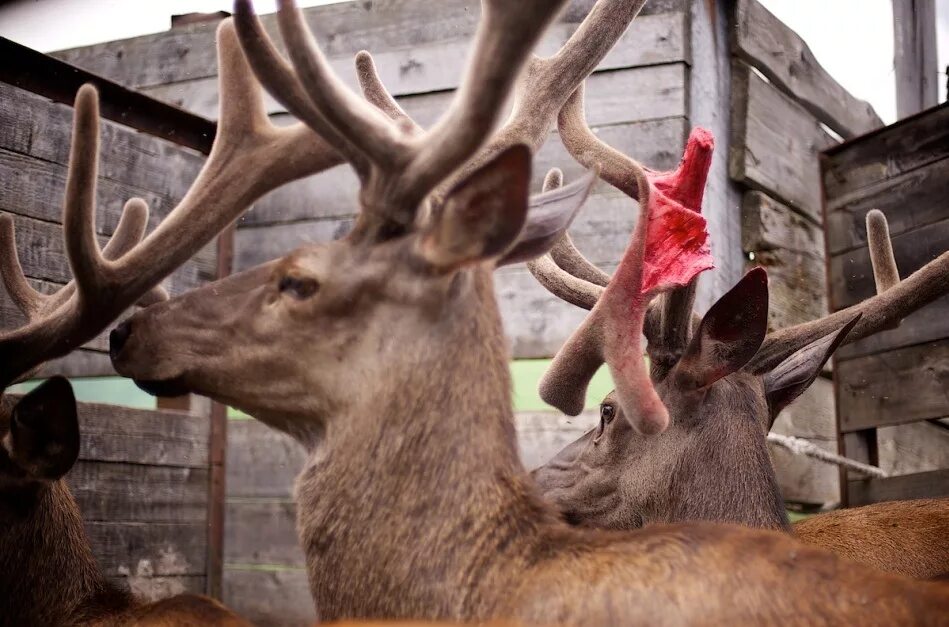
(149, 549)
(910, 201)
(888, 153)
(930, 484)
(795, 285)
(344, 29)
(332, 194)
(269, 597)
(80, 363)
(775, 143)
(157, 588)
(915, 55)
(262, 531)
(928, 324)
(894, 387)
(914, 447)
(768, 225)
(767, 44)
(42, 254)
(851, 274)
(111, 492)
(261, 462)
(542, 434)
(640, 92)
(113, 433)
(32, 125)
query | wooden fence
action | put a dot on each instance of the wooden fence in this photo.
(892, 385)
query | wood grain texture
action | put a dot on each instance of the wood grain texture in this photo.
(406, 72)
(139, 493)
(919, 485)
(121, 434)
(909, 201)
(775, 143)
(271, 597)
(888, 153)
(894, 387)
(768, 225)
(915, 55)
(333, 194)
(342, 30)
(764, 42)
(149, 549)
(262, 531)
(795, 286)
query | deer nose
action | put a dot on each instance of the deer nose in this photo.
(118, 337)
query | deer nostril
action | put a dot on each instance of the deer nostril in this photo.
(118, 337)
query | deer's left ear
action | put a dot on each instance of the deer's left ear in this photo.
(730, 333)
(483, 215)
(44, 431)
(791, 377)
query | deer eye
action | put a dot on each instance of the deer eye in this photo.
(299, 288)
(607, 412)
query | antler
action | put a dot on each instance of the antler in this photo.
(397, 165)
(250, 157)
(894, 301)
(668, 249)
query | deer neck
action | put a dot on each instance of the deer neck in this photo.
(423, 508)
(47, 571)
(728, 475)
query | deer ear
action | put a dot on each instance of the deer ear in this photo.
(483, 215)
(730, 333)
(44, 431)
(788, 380)
(549, 214)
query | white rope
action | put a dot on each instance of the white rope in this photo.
(799, 446)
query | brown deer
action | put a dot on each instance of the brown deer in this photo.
(383, 353)
(713, 463)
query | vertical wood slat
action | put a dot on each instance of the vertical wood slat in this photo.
(914, 42)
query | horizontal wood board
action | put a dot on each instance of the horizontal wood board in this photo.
(767, 44)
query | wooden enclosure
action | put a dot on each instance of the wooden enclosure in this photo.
(894, 382)
(142, 479)
(730, 66)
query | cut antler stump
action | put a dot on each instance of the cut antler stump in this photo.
(669, 247)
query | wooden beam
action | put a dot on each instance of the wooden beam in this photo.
(768, 45)
(932, 484)
(914, 49)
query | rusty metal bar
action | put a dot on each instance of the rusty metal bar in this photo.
(59, 81)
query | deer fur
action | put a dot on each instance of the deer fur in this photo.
(48, 573)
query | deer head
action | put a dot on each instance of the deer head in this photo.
(295, 340)
(724, 381)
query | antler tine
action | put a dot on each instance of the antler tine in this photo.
(565, 254)
(558, 281)
(377, 94)
(250, 157)
(28, 300)
(546, 83)
(361, 126)
(885, 272)
(589, 150)
(897, 300)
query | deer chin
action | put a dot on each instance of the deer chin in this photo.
(163, 387)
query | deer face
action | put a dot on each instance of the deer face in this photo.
(304, 337)
(713, 457)
(39, 435)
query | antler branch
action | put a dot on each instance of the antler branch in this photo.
(250, 156)
(894, 301)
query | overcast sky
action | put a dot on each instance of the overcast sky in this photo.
(853, 39)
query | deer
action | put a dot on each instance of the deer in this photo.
(383, 354)
(713, 463)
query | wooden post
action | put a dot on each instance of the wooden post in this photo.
(914, 50)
